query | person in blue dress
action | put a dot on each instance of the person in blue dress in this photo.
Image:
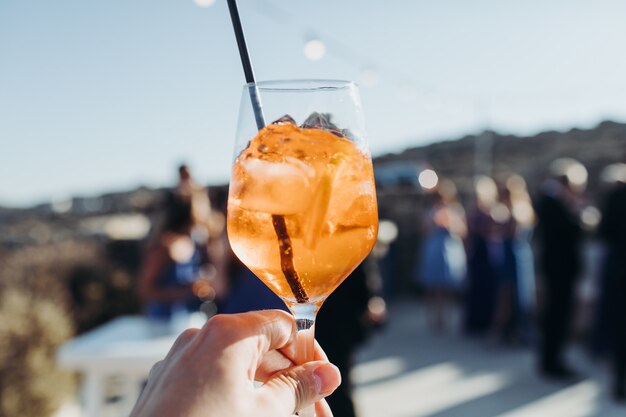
(524, 215)
(442, 262)
(171, 276)
(513, 263)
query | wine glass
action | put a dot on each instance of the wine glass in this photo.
(302, 210)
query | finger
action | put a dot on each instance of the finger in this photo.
(318, 353)
(272, 362)
(244, 339)
(182, 341)
(264, 330)
(180, 345)
(277, 360)
(154, 371)
(299, 387)
(185, 337)
(322, 409)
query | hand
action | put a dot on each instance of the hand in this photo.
(211, 371)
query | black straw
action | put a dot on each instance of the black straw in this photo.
(247, 65)
(278, 221)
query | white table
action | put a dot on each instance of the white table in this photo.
(126, 347)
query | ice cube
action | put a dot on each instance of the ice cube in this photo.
(354, 204)
(276, 187)
(322, 121)
(285, 120)
(360, 213)
(347, 133)
(321, 199)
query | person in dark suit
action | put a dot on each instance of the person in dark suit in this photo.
(612, 230)
(344, 323)
(481, 287)
(560, 236)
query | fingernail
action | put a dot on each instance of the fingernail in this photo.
(327, 378)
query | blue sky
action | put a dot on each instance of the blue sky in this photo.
(98, 96)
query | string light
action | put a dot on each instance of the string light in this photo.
(371, 72)
(314, 49)
(204, 3)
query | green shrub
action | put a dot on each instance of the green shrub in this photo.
(47, 294)
(31, 330)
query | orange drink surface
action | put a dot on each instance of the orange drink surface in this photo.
(315, 188)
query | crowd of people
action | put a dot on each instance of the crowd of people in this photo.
(484, 254)
(516, 262)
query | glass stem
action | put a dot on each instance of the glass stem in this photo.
(305, 340)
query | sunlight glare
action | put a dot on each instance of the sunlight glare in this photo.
(575, 401)
(428, 390)
(367, 372)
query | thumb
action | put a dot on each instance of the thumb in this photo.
(301, 386)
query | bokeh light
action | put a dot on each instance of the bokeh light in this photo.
(614, 173)
(428, 179)
(387, 231)
(574, 171)
(590, 217)
(486, 190)
(204, 3)
(577, 174)
(314, 49)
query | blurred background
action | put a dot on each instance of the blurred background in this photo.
(498, 133)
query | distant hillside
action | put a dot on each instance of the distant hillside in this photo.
(399, 196)
(402, 200)
(500, 155)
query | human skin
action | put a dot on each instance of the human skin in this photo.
(212, 371)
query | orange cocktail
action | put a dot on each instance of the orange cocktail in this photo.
(302, 199)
